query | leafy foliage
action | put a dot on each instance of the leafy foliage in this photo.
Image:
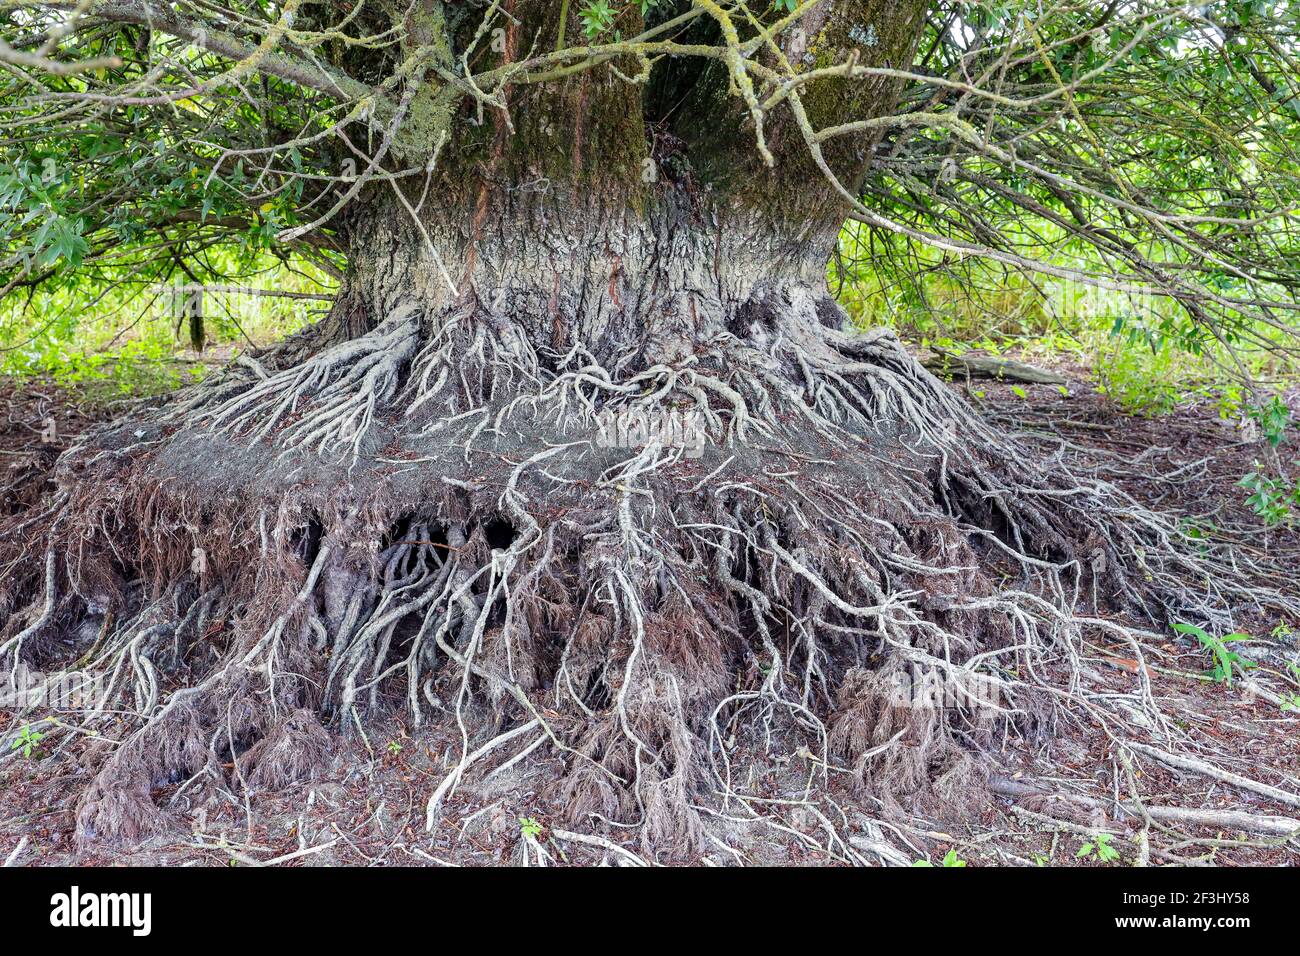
(26, 741)
(950, 859)
(1225, 660)
(1099, 848)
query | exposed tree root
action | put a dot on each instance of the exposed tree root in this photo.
(439, 519)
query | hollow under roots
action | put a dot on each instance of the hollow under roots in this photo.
(658, 570)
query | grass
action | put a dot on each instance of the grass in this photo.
(1141, 351)
(128, 340)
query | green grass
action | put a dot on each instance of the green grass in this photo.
(1142, 352)
(108, 341)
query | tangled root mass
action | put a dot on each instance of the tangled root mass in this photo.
(659, 568)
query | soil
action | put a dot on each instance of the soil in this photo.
(368, 808)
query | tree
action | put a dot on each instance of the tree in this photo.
(583, 453)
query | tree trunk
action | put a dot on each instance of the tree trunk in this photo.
(592, 212)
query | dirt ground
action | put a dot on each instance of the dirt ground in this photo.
(1048, 799)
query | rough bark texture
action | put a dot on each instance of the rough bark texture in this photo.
(603, 200)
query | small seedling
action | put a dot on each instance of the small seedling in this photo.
(950, 859)
(1199, 533)
(1099, 848)
(1273, 418)
(27, 740)
(530, 828)
(1291, 700)
(597, 17)
(394, 747)
(1225, 659)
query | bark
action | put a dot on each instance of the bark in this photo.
(585, 216)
